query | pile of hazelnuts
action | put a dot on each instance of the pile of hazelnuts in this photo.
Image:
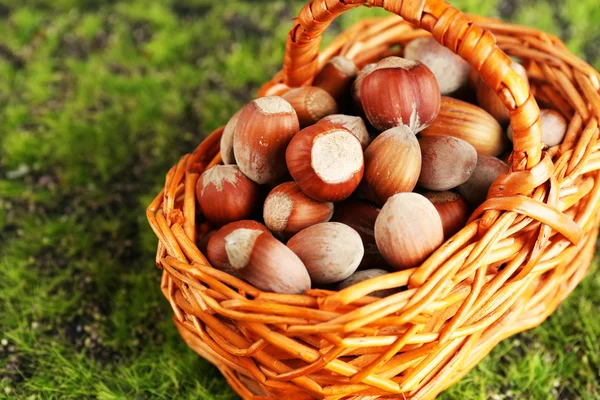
(311, 197)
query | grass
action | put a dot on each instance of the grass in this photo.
(97, 100)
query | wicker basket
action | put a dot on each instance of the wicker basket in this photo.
(521, 254)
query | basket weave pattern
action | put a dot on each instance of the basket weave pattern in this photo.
(522, 252)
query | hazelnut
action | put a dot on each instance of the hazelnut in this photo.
(336, 77)
(288, 210)
(227, 140)
(356, 86)
(487, 170)
(311, 104)
(360, 276)
(265, 127)
(554, 128)
(202, 241)
(226, 195)
(400, 92)
(470, 123)
(326, 161)
(355, 125)
(491, 102)
(408, 229)
(447, 162)
(451, 71)
(265, 262)
(361, 216)
(330, 251)
(215, 249)
(392, 164)
(453, 211)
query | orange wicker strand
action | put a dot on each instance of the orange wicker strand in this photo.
(523, 251)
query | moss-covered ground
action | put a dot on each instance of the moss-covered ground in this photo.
(98, 99)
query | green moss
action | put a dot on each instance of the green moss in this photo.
(540, 15)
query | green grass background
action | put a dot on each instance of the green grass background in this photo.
(97, 100)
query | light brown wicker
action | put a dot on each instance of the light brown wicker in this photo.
(521, 254)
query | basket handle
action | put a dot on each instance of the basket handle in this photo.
(451, 28)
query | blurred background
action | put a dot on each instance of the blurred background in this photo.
(97, 100)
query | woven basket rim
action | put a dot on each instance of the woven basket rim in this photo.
(541, 231)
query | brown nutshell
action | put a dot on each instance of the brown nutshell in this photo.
(453, 211)
(226, 195)
(264, 129)
(392, 164)
(265, 262)
(450, 70)
(311, 104)
(356, 87)
(226, 148)
(355, 125)
(470, 123)
(330, 251)
(446, 162)
(487, 170)
(326, 160)
(361, 216)
(215, 249)
(400, 92)
(336, 77)
(408, 230)
(287, 210)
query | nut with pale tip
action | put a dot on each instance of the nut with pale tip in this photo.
(554, 128)
(453, 211)
(361, 216)
(311, 104)
(354, 124)
(265, 262)
(470, 123)
(215, 247)
(364, 275)
(400, 92)
(330, 251)
(336, 77)
(264, 129)
(226, 195)
(446, 162)
(392, 164)
(287, 210)
(487, 170)
(326, 160)
(450, 70)
(408, 229)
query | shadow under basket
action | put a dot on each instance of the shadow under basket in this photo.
(524, 251)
